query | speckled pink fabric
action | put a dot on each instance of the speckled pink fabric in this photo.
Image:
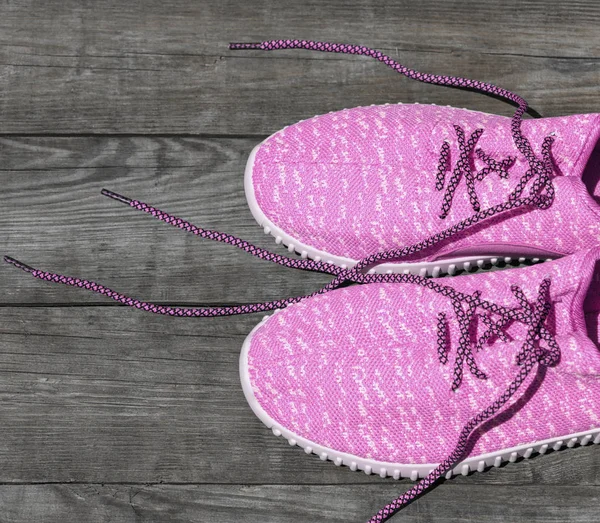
(356, 182)
(356, 370)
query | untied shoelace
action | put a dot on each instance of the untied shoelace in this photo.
(540, 195)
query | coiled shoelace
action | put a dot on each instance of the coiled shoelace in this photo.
(540, 195)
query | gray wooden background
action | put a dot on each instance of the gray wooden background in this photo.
(114, 415)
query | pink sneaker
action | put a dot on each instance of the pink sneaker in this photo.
(373, 375)
(349, 184)
(399, 379)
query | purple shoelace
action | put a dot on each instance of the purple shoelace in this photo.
(542, 188)
(530, 354)
(540, 195)
(463, 169)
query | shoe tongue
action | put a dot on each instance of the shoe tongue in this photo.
(580, 350)
(585, 294)
(574, 288)
(571, 281)
(576, 138)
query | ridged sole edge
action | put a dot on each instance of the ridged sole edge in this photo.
(451, 266)
(396, 470)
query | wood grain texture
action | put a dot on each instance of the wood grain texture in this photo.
(290, 503)
(109, 395)
(164, 67)
(114, 415)
(57, 220)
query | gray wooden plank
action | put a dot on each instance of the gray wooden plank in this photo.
(292, 504)
(109, 395)
(112, 403)
(54, 217)
(164, 67)
(193, 26)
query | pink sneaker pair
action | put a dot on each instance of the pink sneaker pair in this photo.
(402, 375)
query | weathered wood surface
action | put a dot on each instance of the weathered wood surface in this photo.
(164, 67)
(290, 503)
(115, 415)
(58, 220)
(108, 395)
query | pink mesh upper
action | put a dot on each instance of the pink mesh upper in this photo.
(356, 369)
(361, 181)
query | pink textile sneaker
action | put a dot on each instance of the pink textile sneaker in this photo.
(430, 378)
(382, 376)
(349, 184)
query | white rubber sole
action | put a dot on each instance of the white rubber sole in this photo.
(436, 268)
(398, 470)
